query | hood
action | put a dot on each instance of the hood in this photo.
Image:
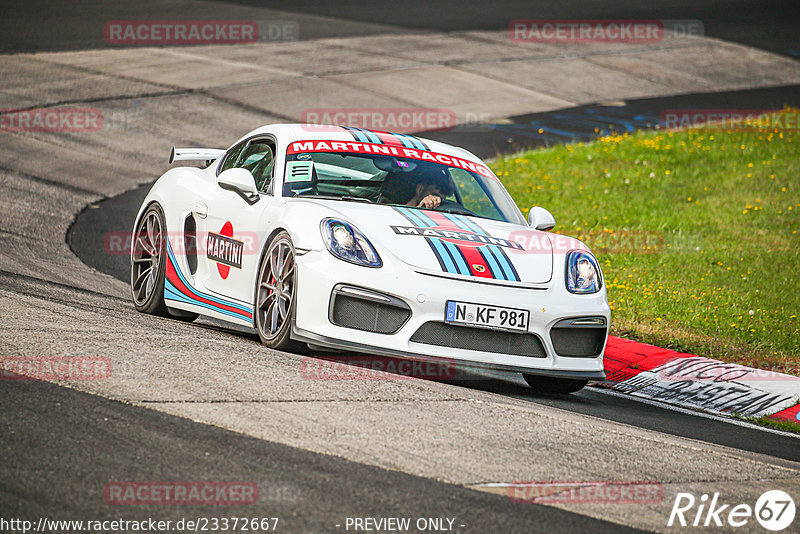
(452, 245)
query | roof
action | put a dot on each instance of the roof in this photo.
(289, 133)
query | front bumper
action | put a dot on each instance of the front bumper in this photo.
(318, 273)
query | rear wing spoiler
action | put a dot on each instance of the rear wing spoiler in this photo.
(198, 154)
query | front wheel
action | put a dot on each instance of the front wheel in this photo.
(276, 295)
(548, 384)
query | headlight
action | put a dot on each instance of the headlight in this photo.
(583, 273)
(346, 243)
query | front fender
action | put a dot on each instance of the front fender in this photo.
(302, 221)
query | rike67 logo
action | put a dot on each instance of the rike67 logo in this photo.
(774, 510)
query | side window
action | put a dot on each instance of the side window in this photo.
(233, 155)
(257, 156)
(259, 159)
(473, 197)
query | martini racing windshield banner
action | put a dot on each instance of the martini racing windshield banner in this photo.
(388, 150)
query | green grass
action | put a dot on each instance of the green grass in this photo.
(696, 231)
(786, 426)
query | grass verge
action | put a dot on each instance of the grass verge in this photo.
(786, 426)
(696, 231)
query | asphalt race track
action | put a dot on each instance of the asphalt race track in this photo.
(202, 402)
(303, 489)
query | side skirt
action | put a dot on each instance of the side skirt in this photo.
(179, 294)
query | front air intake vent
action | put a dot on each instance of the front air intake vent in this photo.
(479, 339)
(368, 311)
(582, 337)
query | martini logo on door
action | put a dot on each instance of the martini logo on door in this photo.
(224, 250)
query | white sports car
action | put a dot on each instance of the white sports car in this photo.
(351, 239)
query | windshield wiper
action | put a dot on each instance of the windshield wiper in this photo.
(343, 197)
(462, 211)
(457, 212)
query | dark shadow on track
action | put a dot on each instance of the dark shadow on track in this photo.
(39, 25)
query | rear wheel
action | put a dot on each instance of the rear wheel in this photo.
(276, 295)
(549, 384)
(148, 265)
(148, 262)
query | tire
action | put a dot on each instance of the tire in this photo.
(548, 384)
(276, 295)
(149, 263)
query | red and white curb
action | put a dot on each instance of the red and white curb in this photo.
(686, 380)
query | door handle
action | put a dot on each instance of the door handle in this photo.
(201, 210)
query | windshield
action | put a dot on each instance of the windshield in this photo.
(396, 176)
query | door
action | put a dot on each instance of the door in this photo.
(232, 229)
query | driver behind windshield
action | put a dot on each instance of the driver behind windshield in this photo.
(419, 189)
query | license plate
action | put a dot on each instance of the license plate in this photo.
(483, 316)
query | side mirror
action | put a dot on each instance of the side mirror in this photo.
(541, 219)
(240, 181)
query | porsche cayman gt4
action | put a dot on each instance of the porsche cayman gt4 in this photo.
(376, 242)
